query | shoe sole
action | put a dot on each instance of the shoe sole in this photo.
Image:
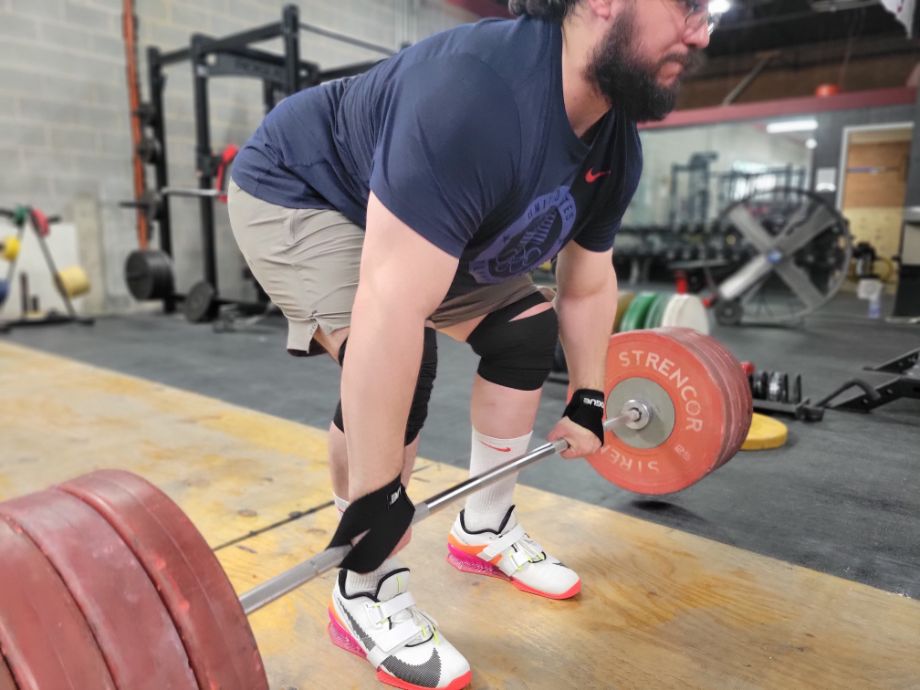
(468, 563)
(343, 639)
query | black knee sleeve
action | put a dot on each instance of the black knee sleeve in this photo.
(337, 418)
(385, 514)
(418, 412)
(517, 354)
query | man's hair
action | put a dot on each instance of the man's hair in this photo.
(555, 10)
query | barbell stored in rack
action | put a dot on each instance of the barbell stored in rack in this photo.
(663, 388)
(151, 201)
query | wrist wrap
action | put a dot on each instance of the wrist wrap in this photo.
(586, 408)
(385, 514)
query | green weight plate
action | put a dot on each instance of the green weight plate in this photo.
(635, 315)
(656, 311)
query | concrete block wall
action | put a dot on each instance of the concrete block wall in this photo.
(65, 141)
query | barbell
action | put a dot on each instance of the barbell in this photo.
(106, 583)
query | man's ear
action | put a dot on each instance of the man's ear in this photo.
(603, 9)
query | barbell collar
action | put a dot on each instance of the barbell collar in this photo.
(634, 412)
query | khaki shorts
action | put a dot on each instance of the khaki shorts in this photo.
(307, 261)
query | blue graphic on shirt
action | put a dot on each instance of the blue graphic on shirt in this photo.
(535, 237)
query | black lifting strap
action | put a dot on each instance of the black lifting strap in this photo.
(385, 514)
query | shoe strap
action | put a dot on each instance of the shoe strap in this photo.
(514, 561)
(380, 611)
(503, 542)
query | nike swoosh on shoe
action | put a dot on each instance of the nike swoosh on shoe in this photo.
(427, 674)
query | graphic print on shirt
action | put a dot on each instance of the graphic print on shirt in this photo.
(535, 237)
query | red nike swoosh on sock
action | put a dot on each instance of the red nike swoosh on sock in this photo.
(500, 450)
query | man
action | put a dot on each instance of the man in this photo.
(419, 196)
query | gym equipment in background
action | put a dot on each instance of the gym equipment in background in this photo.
(70, 282)
(778, 392)
(906, 384)
(801, 248)
(765, 433)
(236, 55)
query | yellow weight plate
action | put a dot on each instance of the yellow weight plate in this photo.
(10, 247)
(623, 301)
(73, 281)
(765, 433)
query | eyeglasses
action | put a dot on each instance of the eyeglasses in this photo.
(698, 15)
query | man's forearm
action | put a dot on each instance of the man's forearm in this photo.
(585, 323)
(378, 380)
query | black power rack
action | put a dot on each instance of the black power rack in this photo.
(149, 272)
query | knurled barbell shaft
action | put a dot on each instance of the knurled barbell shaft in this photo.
(634, 413)
(183, 191)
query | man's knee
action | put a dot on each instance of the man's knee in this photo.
(418, 411)
(516, 353)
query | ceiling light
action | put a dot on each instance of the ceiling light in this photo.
(719, 6)
(811, 144)
(792, 126)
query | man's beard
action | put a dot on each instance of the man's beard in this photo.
(631, 83)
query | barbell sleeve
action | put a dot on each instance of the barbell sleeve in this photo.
(633, 413)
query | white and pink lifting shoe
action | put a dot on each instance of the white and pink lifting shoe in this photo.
(509, 553)
(401, 643)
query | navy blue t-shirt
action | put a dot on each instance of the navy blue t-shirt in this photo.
(464, 137)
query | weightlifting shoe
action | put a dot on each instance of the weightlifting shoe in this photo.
(401, 642)
(509, 553)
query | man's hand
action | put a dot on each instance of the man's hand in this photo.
(581, 441)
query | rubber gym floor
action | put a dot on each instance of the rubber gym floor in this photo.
(790, 568)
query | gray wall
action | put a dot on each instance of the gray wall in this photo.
(64, 126)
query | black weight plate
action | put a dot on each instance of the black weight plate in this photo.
(149, 274)
(201, 303)
(778, 387)
(759, 387)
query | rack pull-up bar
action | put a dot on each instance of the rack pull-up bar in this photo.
(347, 39)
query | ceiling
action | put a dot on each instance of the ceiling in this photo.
(757, 25)
(753, 26)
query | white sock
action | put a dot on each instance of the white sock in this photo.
(365, 582)
(486, 508)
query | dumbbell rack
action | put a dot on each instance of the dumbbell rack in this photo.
(22, 217)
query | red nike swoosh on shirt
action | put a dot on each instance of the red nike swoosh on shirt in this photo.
(591, 177)
(500, 450)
